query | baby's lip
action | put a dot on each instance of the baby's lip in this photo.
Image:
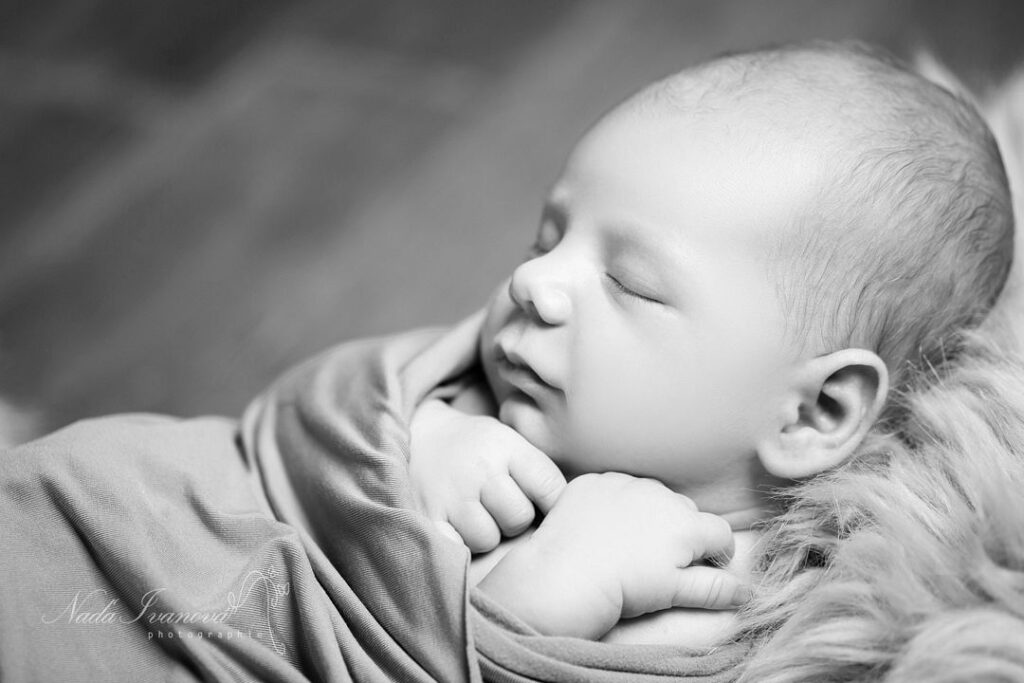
(518, 371)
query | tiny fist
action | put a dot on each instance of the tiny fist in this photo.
(507, 504)
(476, 526)
(537, 476)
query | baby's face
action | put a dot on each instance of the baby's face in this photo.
(643, 333)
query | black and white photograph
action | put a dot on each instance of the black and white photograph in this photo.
(510, 341)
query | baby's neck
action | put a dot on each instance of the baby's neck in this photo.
(743, 503)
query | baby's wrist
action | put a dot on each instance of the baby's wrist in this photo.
(551, 597)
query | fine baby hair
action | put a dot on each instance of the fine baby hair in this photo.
(909, 239)
(907, 562)
(851, 223)
(828, 194)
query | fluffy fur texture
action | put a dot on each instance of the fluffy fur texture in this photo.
(907, 564)
(907, 239)
(915, 548)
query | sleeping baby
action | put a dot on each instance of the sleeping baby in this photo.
(733, 270)
(736, 271)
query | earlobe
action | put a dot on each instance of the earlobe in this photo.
(834, 402)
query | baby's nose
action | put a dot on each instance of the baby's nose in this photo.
(539, 295)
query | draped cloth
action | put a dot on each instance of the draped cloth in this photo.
(281, 547)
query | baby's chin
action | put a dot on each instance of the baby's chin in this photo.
(521, 413)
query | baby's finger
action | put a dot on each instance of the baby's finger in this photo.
(448, 531)
(709, 588)
(538, 476)
(508, 505)
(712, 539)
(476, 526)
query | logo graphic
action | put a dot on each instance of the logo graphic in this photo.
(257, 597)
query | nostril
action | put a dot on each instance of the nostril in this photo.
(518, 290)
(530, 309)
(542, 296)
(551, 307)
(521, 294)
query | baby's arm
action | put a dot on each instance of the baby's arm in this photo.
(613, 547)
(477, 477)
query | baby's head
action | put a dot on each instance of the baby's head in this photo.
(738, 262)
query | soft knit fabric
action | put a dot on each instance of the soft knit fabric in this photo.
(283, 548)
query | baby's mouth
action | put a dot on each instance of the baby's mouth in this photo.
(517, 372)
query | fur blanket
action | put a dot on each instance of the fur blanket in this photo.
(919, 544)
(919, 541)
(907, 564)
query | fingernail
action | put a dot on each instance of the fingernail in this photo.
(742, 596)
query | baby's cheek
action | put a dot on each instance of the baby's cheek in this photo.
(499, 388)
(489, 363)
(630, 417)
(544, 431)
(600, 433)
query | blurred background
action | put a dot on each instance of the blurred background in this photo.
(196, 194)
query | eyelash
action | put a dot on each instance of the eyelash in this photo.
(629, 292)
(539, 248)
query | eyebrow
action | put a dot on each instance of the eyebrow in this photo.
(630, 238)
(626, 237)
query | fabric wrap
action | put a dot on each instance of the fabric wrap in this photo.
(285, 547)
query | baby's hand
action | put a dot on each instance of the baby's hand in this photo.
(615, 546)
(476, 476)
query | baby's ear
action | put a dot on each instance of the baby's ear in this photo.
(833, 403)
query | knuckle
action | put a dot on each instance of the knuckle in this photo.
(477, 545)
(518, 518)
(648, 489)
(489, 469)
(715, 592)
(550, 483)
(477, 528)
(719, 539)
(588, 480)
(502, 433)
(687, 503)
(485, 430)
(493, 482)
(482, 539)
(723, 526)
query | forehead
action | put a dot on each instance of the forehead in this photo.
(718, 176)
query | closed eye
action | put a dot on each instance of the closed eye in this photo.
(549, 232)
(623, 289)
